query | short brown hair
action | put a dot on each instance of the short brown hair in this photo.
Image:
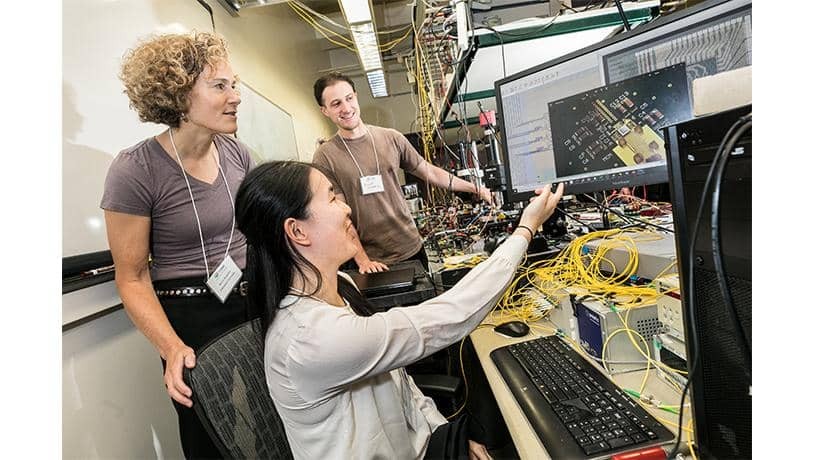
(328, 80)
(160, 72)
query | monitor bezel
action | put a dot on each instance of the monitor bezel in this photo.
(654, 175)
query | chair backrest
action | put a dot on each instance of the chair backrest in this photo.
(231, 397)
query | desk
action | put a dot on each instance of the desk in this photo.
(525, 438)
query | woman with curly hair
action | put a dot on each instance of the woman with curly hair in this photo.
(169, 209)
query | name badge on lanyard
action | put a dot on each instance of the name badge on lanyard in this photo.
(224, 278)
(372, 184)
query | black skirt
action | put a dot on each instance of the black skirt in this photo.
(198, 320)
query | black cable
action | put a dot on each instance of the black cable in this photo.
(492, 126)
(623, 16)
(481, 110)
(210, 11)
(431, 278)
(602, 210)
(692, 323)
(716, 245)
(445, 149)
(591, 5)
(460, 104)
(628, 217)
(585, 224)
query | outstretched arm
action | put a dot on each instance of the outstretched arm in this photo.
(356, 347)
(443, 179)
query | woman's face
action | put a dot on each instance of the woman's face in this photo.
(214, 100)
(329, 223)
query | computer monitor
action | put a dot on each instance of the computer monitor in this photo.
(709, 38)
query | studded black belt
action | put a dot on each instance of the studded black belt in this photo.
(197, 291)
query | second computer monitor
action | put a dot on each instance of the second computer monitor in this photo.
(711, 37)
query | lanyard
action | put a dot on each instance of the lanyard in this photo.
(374, 147)
(195, 211)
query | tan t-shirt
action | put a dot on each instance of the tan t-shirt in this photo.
(383, 220)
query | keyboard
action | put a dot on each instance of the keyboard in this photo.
(576, 411)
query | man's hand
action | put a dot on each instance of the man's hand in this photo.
(371, 266)
(486, 195)
(366, 265)
(177, 360)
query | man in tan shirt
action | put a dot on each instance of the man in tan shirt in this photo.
(363, 161)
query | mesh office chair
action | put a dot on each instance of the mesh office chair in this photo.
(231, 398)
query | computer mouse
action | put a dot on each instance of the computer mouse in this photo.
(513, 329)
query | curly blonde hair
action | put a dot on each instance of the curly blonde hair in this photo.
(160, 72)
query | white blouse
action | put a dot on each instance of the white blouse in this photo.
(338, 379)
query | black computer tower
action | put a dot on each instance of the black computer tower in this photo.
(721, 384)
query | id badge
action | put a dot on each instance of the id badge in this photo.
(372, 184)
(224, 278)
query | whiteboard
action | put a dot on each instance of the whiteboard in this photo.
(265, 128)
(96, 120)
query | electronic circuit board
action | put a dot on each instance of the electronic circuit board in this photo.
(617, 125)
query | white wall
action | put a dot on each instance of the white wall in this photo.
(277, 54)
(396, 110)
(113, 401)
(271, 49)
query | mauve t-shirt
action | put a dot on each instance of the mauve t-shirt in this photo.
(145, 181)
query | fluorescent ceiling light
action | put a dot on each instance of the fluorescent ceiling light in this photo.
(376, 81)
(366, 42)
(356, 11)
(361, 22)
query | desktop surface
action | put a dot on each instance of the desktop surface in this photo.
(575, 410)
(527, 442)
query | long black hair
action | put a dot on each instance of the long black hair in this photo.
(268, 195)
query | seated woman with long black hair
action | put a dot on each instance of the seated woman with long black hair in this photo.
(334, 368)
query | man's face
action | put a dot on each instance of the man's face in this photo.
(340, 106)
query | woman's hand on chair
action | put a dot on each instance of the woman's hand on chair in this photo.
(177, 359)
(477, 451)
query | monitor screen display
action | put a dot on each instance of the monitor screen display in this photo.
(610, 134)
(708, 38)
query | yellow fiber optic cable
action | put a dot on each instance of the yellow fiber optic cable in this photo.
(320, 29)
